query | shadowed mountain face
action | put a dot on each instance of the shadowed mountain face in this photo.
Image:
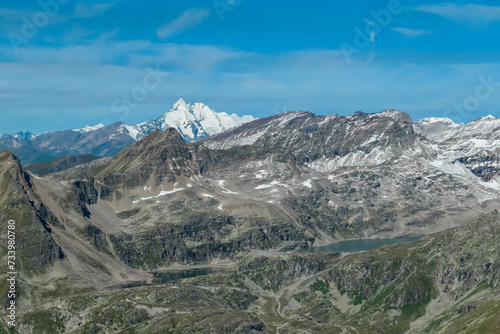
(247, 200)
(60, 164)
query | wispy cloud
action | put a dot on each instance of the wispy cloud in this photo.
(411, 33)
(12, 20)
(53, 87)
(469, 13)
(187, 20)
(91, 10)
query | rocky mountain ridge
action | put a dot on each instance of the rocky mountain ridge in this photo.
(331, 177)
(194, 122)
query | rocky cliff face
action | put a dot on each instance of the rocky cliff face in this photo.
(36, 246)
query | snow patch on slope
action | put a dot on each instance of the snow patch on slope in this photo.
(162, 193)
(358, 158)
(87, 128)
(430, 120)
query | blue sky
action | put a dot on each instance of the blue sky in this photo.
(65, 64)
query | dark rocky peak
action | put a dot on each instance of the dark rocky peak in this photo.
(7, 156)
(160, 146)
(159, 155)
(157, 146)
(19, 197)
(11, 165)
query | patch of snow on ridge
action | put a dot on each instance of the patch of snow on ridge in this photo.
(307, 183)
(239, 140)
(359, 158)
(133, 132)
(263, 186)
(226, 191)
(162, 193)
(430, 120)
(87, 128)
(372, 139)
(455, 168)
(287, 117)
(269, 185)
(481, 143)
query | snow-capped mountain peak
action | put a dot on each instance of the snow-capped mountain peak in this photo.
(194, 121)
(180, 103)
(87, 128)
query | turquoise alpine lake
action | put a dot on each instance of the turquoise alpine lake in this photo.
(359, 245)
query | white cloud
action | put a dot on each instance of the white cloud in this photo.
(410, 33)
(187, 20)
(469, 13)
(12, 19)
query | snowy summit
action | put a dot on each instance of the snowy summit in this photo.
(194, 121)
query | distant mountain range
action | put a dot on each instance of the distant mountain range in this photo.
(243, 206)
(194, 121)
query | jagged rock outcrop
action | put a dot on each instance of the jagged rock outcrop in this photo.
(86, 194)
(36, 246)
